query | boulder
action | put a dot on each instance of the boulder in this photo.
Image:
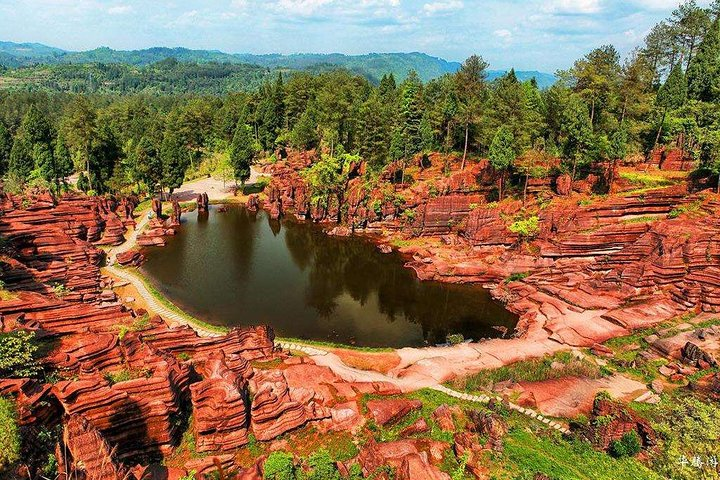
(390, 411)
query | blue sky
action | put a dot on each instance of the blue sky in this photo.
(527, 34)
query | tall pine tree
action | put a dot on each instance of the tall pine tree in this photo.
(702, 75)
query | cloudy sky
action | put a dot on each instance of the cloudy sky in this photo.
(527, 34)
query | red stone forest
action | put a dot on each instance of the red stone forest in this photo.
(589, 208)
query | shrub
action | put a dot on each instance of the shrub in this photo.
(17, 354)
(60, 290)
(455, 339)
(516, 277)
(322, 466)
(9, 435)
(263, 182)
(279, 466)
(627, 446)
(526, 228)
(409, 215)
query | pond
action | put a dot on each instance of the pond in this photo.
(242, 268)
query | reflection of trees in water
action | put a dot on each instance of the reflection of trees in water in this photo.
(351, 265)
(243, 244)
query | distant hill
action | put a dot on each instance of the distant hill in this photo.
(373, 65)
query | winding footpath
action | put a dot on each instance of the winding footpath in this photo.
(321, 357)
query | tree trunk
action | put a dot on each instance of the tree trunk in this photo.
(574, 167)
(622, 116)
(527, 178)
(592, 115)
(467, 134)
(500, 186)
(718, 183)
(659, 132)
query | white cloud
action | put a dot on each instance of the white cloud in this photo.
(301, 7)
(120, 10)
(573, 7)
(443, 6)
(503, 33)
(657, 4)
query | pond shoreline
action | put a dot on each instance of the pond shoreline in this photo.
(471, 312)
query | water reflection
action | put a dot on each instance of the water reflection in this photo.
(240, 268)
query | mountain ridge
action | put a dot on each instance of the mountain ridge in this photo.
(372, 65)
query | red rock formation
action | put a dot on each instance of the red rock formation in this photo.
(412, 459)
(276, 409)
(253, 202)
(174, 220)
(221, 417)
(619, 420)
(203, 203)
(88, 454)
(131, 257)
(391, 410)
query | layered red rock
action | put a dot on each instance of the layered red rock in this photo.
(220, 402)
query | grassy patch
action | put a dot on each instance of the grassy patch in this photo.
(641, 219)
(528, 453)
(566, 365)
(646, 180)
(125, 375)
(516, 277)
(269, 365)
(138, 325)
(9, 435)
(690, 208)
(325, 344)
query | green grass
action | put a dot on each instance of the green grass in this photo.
(691, 208)
(125, 375)
(528, 453)
(326, 344)
(642, 219)
(9, 435)
(646, 180)
(534, 370)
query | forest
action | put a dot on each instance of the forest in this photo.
(602, 109)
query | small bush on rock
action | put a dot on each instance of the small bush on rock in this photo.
(322, 466)
(279, 466)
(527, 228)
(17, 355)
(627, 446)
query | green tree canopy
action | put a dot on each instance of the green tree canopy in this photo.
(242, 152)
(703, 75)
(502, 153)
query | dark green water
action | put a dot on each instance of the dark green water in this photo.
(240, 268)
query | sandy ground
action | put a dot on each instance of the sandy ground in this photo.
(215, 188)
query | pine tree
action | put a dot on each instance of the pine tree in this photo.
(5, 148)
(411, 114)
(470, 85)
(577, 132)
(387, 86)
(242, 152)
(304, 134)
(374, 132)
(34, 130)
(702, 75)
(175, 158)
(671, 95)
(502, 154)
(63, 161)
